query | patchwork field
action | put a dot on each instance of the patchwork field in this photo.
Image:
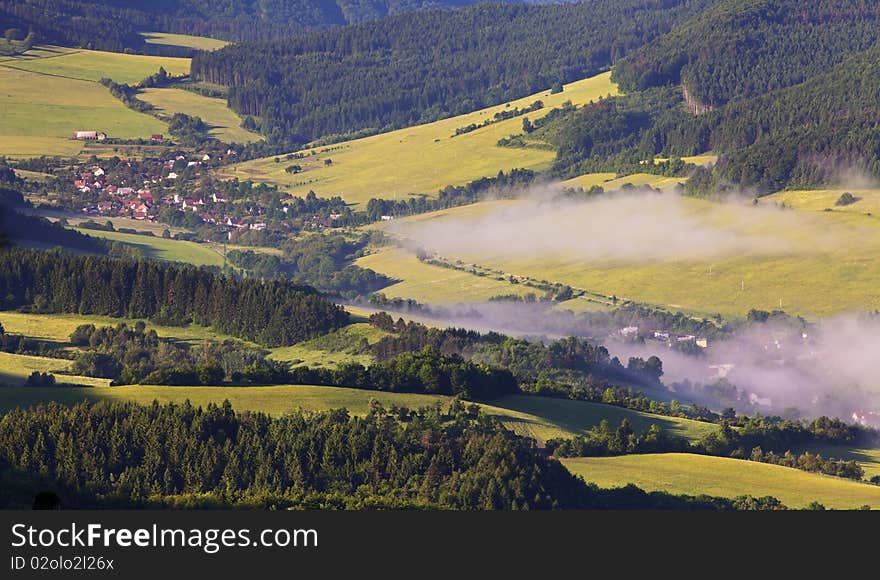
(93, 65)
(225, 123)
(41, 112)
(706, 258)
(685, 473)
(159, 248)
(185, 40)
(419, 159)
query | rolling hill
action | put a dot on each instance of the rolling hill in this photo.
(720, 476)
(420, 159)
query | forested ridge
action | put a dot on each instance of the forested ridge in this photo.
(793, 107)
(178, 455)
(271, 313)
(426, 65)
(114, 24)
(745, 48)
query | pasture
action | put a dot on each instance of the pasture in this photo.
(684, 473)
(224, 122)
(169, 250)
(340, 346)
(434, 284)
(610, 182)
(93, 65)
(420, 159)
(58, 327)
(184, 40)
(541, 419)
(15, 369)
(41, 113)
(810, 262)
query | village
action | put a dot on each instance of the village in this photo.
(149, 190)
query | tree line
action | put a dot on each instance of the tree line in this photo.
(115, 24)
(763, 439)
(126, 455)
(426, 65)
(791, 107)
(272, 313)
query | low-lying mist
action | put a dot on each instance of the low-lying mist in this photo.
(633, 227)
(829, 368)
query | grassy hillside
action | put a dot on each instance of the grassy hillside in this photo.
(185, 40)
(697, 474)
(225, 124)
(829, 253)
(610, 182)
(419, 159)
(544, 418)
(159, 248)
(536, 417)
(340, 346)
(41, 112)
(92, 65)
(434, 284)
(58, 327)
(15, 369)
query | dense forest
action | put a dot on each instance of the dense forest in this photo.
(426, 65)
(272, 313)
(177, 455)
(803, 136)
(745, 48)
(114, 24)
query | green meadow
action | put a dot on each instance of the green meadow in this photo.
(340, 346)
(40, 113)
(684, 473)
(541, 419)
(184, 40)
(813, 262)
(159, 248)
(58, 327)
(421, 159)
(15, 369)
(610, 182)
(93, 65)
(434, 284)
(224, 122)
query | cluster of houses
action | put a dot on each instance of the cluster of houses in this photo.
(144, 201)
(670, 339)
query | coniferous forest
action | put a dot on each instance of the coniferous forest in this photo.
(115, 24)
(181, 456)
(271, 313)
(427, 65)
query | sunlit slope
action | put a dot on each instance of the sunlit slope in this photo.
(812, 263)
(537, 417)
(684, 473)
(420, 159)
(184, 40)
(41, 112)
(224, 123)
(93, 65)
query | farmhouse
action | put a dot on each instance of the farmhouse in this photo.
(157, 137)
(89, 136)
